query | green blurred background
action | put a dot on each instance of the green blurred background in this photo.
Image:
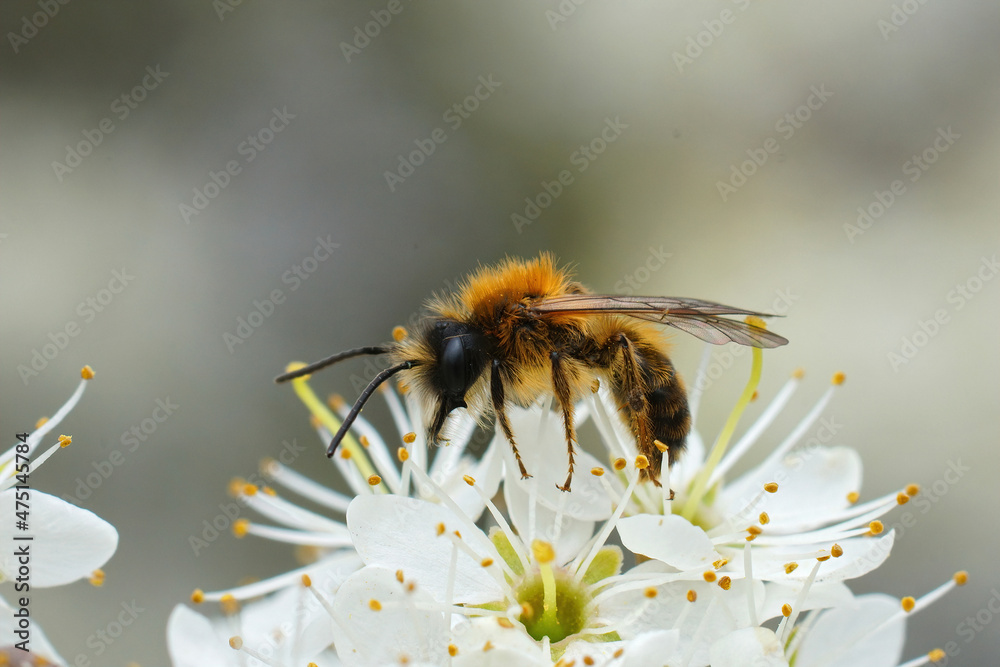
(739, 140)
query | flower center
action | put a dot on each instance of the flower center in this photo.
(554, 604)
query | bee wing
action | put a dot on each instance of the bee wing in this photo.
(696, 317)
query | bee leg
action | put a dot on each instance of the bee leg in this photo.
(631, 386)
(499, 408)
(560, 383)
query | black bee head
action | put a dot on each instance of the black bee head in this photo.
(460, 361)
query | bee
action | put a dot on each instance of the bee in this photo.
(520, 329)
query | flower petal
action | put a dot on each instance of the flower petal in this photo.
(748, 646)
(380, 621)
(670, 539)
(842, 636)
(69, 542)
(402, 534)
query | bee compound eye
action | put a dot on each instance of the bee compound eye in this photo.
(453, 367)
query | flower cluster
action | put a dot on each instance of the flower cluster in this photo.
(459, 561)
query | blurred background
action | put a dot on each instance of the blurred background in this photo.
(169, 168)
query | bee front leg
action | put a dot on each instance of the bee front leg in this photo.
(500, 409)
(563, 392)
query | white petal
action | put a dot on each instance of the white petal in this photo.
(69, 542)
(836, 637)
(659, 648)
(812, 484)
(38, 642)
(861, 556)
(568, 538)
(192, 641)
(670, 539)
(542, 445)
(506, 646)
(402, 534)
(749, 646)
(820, 596)
(398, 630)
(487, 472)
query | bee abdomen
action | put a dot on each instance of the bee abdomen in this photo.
(669, 420)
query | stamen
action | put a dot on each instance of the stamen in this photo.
(303, 486)
(236, 643)
(609, 526)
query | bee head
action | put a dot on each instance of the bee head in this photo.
(459, 361)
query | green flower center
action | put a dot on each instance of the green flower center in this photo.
(554, 616)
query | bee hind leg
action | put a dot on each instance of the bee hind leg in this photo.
(563, 392)
(499, 408)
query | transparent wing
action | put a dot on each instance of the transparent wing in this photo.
(696, 317)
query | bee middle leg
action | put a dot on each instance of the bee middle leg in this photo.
(564, 394)
(500, 409)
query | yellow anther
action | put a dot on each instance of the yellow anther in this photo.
(754, 530)
(398, 334)
(691, 596)
(650, 592)
(364, 441)
(469, 479)
(345, 453)
(908, 603)
(543, 552)
(876, 527)
(307, 580)
(799, 373)
(641, 462)
(336, 402)
(87, 373)
(720, 563)
(486, 562)
(527, 611)
(912, 489)
(410, 438)
(771, 487)
(755, 321)
(791, 567)
(197, 596)
(374, 480)
(235, 643)
(709, 576)
(249, 490)
(754, 396)
(229, 604)
(961, 577)
(597, 471)
(97, 578)
(65, 440)
(837, 551)
(42, 421)
(853, 497)
(725, 583)
(786, 610)
(488, 646)
(440, 529)
(402, 454)
(937, 655)
(504, 623)
(660, 446)
(268, 491)
(399, 576)
(764, 519)
(374, 605)
(838, 378)
(452, 650)
(902, 498)
(620, 463)
(241, 527)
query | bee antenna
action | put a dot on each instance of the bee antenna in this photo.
(362, 399)
(329, 361)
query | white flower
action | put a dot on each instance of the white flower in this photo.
(48, 541)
